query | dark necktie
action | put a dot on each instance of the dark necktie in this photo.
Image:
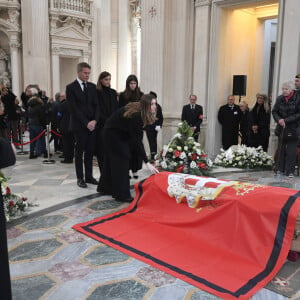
(84, 87)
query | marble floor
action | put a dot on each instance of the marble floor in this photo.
(49, 260)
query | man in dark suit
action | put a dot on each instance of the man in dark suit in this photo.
(229, 116)
(193, 114)
(82, 98)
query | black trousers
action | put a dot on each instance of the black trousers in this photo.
(287, 157)
(151, 134)
(84, 151)
(114, 178)
(68, 143)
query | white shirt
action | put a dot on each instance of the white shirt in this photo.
(81, 83)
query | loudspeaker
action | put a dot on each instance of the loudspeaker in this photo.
(239, 85)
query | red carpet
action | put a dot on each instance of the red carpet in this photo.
(231, 247)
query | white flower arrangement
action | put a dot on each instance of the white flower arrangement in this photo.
(241, 156)
(14, 205)
(183, 154)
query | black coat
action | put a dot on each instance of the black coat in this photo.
(10, 107)
(7, 155)
(108, 103)
(261, 118)
(130, 131)
(245, 127)
(193, 117)
(84, 107)
(63, 116)
(132, 98)
(230, 121)
(36, 112)
(287, 110)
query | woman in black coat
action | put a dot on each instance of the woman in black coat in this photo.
(132, 93)
(108, 103)
(121, 130)
(286, 113)
(260, 116)
(153, 129)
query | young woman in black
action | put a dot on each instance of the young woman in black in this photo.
(132, 93)
(121, 130)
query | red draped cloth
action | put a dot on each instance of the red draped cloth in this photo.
(230, 246)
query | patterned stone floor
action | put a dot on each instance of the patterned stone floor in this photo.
(49, 260)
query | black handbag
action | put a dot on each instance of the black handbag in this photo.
(290, 134)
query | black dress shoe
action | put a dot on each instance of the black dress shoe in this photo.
(91, 181)
(81, 183)
(66, 161)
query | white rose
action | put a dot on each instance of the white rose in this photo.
(185, 148)
(164, 164)
(193, 165)
(179, 148)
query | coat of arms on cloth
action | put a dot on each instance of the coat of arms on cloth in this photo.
(195, 189)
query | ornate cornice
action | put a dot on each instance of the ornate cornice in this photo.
(203, 2)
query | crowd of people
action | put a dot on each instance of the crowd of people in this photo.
(94, 120)
(253, 126)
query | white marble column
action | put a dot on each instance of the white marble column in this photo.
(55, 70)
(201, 50)
(15, 66)
(124, 53)
(201, 58)
(35, 43)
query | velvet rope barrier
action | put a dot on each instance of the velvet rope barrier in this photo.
(34, 139)
(56, 133)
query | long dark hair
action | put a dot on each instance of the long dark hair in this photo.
(128, 93)
(102, 75)
(144, 107)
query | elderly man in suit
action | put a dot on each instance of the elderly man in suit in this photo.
(82, 98)
(193, 114)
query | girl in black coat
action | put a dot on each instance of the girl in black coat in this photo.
(108, 103)
(132, 93)
(286, 113)
(260, 123)
(121, 130)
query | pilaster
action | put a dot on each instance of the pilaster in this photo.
(55, 69)
(15, 65)
(35, 41)
(124, 54)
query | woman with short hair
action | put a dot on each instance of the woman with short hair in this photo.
(286, 113)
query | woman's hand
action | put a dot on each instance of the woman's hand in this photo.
(151, 168)
(281, 123)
